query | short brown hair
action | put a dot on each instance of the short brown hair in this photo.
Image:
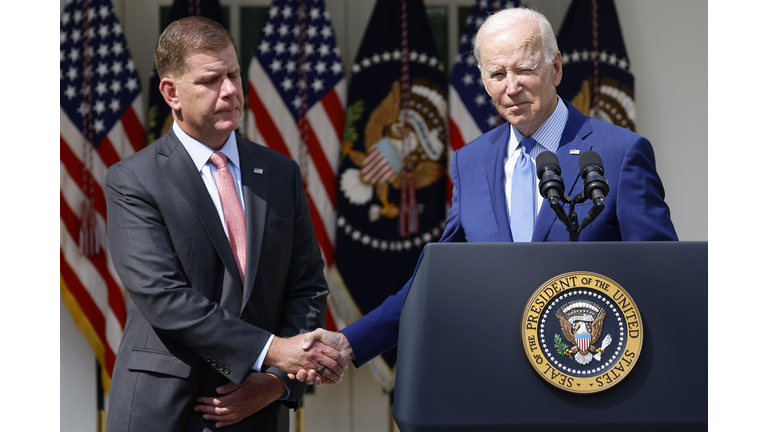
(185, 37)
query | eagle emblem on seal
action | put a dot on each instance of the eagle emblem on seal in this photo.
(389, 154)
(582, 323)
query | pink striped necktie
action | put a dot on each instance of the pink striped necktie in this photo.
(234, 217)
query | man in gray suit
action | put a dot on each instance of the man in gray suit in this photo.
(211, 236)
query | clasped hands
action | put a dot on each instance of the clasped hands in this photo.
(321, 339)
(305, 355)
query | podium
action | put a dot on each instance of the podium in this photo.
(461, 364)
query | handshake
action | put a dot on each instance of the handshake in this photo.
(318, 358)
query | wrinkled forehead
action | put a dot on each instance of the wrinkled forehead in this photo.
(521, 40)
(510, 49)
(206, 61)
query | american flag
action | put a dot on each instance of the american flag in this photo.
(471, 109)
(296, 98)
(597, 74)
(100, 100)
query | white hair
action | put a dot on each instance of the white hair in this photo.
(507, 18)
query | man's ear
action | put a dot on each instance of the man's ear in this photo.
(557, 64)
(168, 90)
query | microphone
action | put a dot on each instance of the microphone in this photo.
(551, 186)
(595, 185)
(548, 170)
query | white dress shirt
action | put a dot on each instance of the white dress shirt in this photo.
(547, 137)
(201, 154)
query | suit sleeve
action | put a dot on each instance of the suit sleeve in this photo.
(145, 258)
(378, 331)
(641, 210)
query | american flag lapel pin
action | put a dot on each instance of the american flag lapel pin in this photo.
(575, 151)
(258, 170)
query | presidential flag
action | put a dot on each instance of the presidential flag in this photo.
(391, 196)
(100, 124)
(295, 103)
(159, 117)
(597, 75)
(472, 110)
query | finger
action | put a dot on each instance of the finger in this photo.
(230, 418)
(335, 355)
(332, 365)
(205, 400)
(322, 355)
(299, 376)
(324, 380)
(213, 411)
(329, 376)
(302, 375)
(226, 388)
(311, 374)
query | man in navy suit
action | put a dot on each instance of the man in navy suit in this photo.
(521, 67)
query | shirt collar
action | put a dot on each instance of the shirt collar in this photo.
(548, 134)
(201, 153)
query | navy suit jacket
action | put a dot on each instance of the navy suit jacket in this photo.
(634, 207)
(192, 323)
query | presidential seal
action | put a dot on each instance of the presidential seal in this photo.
(581, 332)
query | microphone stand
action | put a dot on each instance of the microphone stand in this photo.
(571, 220)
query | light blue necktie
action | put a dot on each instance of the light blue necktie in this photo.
(523, 197)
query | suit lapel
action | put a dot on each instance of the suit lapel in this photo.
(183, 173)
(255, 177)
(573, 143)
(494, 169)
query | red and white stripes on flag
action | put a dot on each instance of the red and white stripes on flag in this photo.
(377, 167)
(90, 287)
(583, 341)
(270, 123)
(100, 124)
(296, 99)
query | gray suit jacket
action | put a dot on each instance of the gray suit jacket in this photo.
(192, 325)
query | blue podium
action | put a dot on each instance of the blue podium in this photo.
(461, 364)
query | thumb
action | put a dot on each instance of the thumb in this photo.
(308, 339)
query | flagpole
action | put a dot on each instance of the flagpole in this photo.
(101, 414)
(300, 417)
(392, 425)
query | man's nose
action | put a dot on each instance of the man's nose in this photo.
(512, 84)
(228, 87)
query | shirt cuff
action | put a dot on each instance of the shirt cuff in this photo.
(260, 361)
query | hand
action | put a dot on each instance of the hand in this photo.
(320, 336)
(291, 355)
(239, 402)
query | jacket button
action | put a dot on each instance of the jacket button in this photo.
(226, 370)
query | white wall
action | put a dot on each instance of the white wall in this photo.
(667, 46)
